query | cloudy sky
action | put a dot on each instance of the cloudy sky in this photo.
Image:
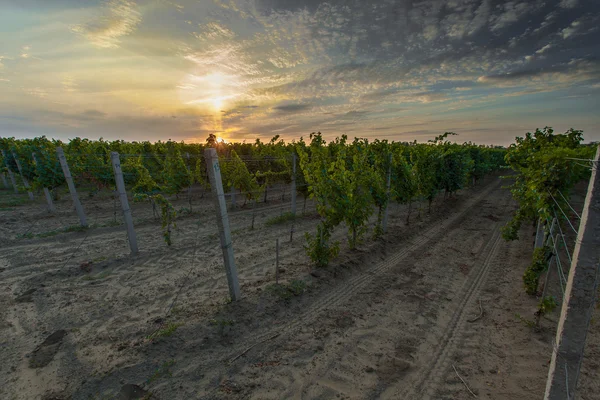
(394, 69)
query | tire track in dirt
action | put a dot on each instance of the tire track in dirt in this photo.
(437, 362)
(353, 285)
(340, 369)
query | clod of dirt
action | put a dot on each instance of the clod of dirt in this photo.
(86, 266)
(26, 297)
(369, 370)
(130, 391)
(45, 352)
(316, 273)
(56, 396)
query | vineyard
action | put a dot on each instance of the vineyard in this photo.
(114, 281)
(347, 181)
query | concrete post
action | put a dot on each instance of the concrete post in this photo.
(69, 179)
(277, 261)
(539, 234)
(293, 189)
(580, 298)
(46, 191)
(131, 236)
(388, 188)
(25, 181)
(214, 174)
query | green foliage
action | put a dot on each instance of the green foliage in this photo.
(176, 174)
(318, 246)
(223, 325)
(532, 274)
(90, 161)
(165, 331)
(162, 371)
(144, 183)
(168, 212)
(543, 172)
(280, 219)
(348, 181)
(546, 305)
(286, 292)
(235, 174)
(529, 323)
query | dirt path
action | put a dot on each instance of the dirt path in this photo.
(389, 331)
(392, 320)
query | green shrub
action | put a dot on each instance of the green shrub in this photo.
(532, 274)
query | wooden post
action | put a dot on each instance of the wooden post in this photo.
(388, 188)
(214, 174)
(277, 261)
(46, 191)
(4, 180)
(293, 189)
(67, 173)
(25, 181)
(580, 298)
(11, 175)
(131, 236)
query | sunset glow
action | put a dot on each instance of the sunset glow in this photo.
(146, 69)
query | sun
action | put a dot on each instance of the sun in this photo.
(212, 91)
(217, 103)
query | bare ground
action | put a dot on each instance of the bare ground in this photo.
(406, 317)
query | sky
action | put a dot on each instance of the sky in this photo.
(241, 69)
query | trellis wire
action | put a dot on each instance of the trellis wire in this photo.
(562, 235)
(563, 213)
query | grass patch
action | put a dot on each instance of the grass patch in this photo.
(286, 292)
(166, 331)
(223, 325)
(281, 219)
(163, 370)
(72, 228)
(13, 203)
(107, 224)
(75, 228)
(529, 323)
(102, 275)
(27, 235)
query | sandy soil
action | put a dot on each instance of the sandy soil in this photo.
(398, 318)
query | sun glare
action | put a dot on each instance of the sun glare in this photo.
(212, 91)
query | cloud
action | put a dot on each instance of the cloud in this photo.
(568, 3)
(571, 30)
(94, 114)
(544, 49)
(511, 13)
(295, 66)
(118, 18)
(292, 108)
